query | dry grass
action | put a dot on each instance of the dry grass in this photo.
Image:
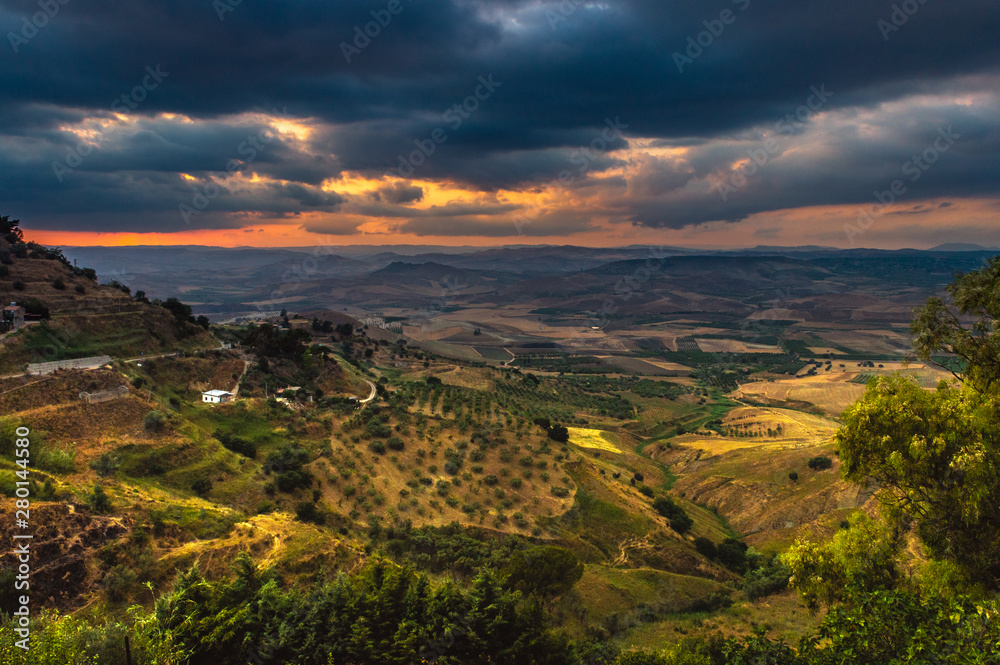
(831, 392)
(782, 616)
(593, 438)
(797, 430)
(734, 346)
(396, 483)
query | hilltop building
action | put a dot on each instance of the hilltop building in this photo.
(13, 317)
(217, 396)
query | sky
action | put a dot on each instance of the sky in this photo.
(708, 123)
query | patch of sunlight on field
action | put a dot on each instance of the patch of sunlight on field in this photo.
(592, 438)
(722, 445)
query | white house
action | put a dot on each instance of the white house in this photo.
(217, 396)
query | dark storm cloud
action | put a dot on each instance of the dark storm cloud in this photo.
(564, 67)
(933, 151)
(398, 193)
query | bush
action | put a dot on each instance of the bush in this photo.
(36, 307)
(394, 443)
(679, 520)
(289, 481)
(766, 581)
(18, 285)
(153, 422)
(793, 476)
(642, 658)
(308, 512)
(820, 463)
(559, 433)
(99, 501)
(681, 523)
(733, 555)
(118, 582)
(237, 444)
(544, 570)
(648, 491)
(57, 460)
(202, 487)
(59, 284)
(106, 465)
(377, 447)
(705, 547)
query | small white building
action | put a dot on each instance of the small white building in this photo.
(217, 396)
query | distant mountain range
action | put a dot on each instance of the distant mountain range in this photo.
(223, 282)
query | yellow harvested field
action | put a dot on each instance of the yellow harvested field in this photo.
(777, 314)
(794, 424)
(774, 428)
(831, 392)
(721, 445)
(673, 367)
(593, 438)
(733, 346)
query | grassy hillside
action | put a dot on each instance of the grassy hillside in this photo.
(81, 318)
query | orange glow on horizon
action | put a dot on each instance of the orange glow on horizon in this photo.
(896, 228)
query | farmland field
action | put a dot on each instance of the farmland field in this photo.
(592, 438)
(733, 346)
(832, 393)
(493, 353)
(644, 367)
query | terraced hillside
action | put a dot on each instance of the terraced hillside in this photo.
(75, 317)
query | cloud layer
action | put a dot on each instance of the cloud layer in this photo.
(500, 119)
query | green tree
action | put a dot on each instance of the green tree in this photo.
(153, 421)
(858, 561)
(938, 326)
(546, 571)
(99, 501)
(10, 229)
(934, 456)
